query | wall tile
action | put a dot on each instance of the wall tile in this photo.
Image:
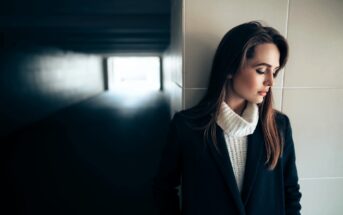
(193, 96)
(277, 93)
(317, 126)
(322, 196)
(315, 37)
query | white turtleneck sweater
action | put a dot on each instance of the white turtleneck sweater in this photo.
(236, 129)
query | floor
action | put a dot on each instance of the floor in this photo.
(96, 157)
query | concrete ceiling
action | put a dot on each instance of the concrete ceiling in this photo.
(102, 26)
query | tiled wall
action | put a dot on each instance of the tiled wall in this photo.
(313, 98)
(309, 90)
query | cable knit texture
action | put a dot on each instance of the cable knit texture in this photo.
(236, 129)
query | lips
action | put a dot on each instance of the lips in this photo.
(262, 93)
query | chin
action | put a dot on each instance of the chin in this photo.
(255, 100)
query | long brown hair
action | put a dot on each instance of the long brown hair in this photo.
(234, 49)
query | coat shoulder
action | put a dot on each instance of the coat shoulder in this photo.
(191, 118)
(282, 120)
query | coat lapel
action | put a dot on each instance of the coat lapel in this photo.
(254, 162)
(223, 160)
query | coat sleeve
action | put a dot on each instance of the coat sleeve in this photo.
(292, 188)
(167, 179)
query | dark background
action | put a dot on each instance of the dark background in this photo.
(68, 146)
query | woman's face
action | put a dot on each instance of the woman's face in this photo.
(254, 79)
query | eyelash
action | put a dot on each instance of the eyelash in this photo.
(261, 73)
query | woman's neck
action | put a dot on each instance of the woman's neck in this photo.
(237, 106)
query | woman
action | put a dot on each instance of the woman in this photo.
(233, 153)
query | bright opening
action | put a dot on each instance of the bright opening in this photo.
(134, 73)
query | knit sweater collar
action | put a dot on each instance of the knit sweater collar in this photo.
(236, 125)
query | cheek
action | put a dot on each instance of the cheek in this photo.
(249, 82)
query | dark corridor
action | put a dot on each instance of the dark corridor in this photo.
(68, 146)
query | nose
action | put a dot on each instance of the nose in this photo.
(269, 79)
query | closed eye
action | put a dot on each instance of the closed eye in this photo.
(263, 72)
(260, 72)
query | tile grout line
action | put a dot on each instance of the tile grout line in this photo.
(319, 88)
(320, 178)
(284, 71)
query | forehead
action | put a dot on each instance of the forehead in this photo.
(267, 53)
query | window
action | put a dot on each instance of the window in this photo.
(134, 73)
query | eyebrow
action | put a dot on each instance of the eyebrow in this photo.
(266, 64)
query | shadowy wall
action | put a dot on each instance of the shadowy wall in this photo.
(37, 81)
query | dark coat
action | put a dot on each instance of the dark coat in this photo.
(207, 180)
